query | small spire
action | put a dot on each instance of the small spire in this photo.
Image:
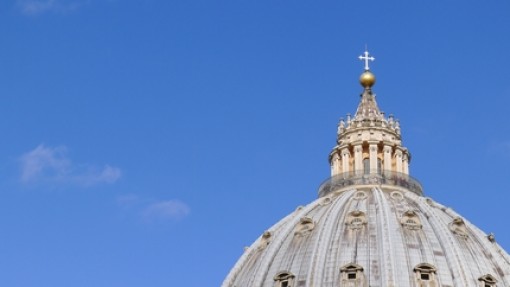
(367, 107)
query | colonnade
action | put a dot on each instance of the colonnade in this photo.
(369, 158)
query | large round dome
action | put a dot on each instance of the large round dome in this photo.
(371, 225)
(373, 236)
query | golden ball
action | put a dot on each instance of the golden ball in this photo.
(367, 79)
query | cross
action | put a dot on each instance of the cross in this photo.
(366, 58)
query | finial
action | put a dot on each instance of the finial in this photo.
(367, 79)
(366, 58)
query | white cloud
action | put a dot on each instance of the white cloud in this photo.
(35, 7)
(151, 211)
(52, 165)
(166, 210)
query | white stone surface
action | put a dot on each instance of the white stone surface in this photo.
(387, 250)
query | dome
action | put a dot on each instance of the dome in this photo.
(371, 224)
(373, 236)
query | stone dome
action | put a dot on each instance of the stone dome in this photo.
(371, 225)
(373, 236)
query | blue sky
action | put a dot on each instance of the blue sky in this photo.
(145, 143)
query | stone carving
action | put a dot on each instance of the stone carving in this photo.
(458, 227)
(265, 240)
(305, 227)
(356, 220)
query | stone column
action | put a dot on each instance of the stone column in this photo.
(387, 157)
(335, 164)
(358, 159)
(398, 160)
(345, 160)
(405, 163)
(373, 157)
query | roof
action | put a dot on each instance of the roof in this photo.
(390, 235)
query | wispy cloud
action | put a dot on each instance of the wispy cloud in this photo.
(52, 165)
(36, 7)
(150, 211)
(166, 210)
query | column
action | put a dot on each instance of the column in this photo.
(373, 157)
(398, 160)
(405, 163)
(345, 160)
(358, 159)
(334, 164)
(387, 158)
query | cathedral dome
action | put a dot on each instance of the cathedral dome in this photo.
(373, 236)
(371, 225)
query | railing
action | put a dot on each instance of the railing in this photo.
(351, 178)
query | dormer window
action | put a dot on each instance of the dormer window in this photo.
(284, 279)
(487, 281)
(425, 275)
(352, 274)
(410, 220)
(356, 219)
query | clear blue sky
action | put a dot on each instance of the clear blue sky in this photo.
(145, 143)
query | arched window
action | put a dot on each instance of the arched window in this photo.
(425, 275)
(284, 279)
(487, 281)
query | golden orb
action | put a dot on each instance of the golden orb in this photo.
(367, 79)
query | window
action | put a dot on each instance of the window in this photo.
(487, 281)
(352, 274)
(410, 220)
(425, 274)
(356, 219)
(284, 279)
